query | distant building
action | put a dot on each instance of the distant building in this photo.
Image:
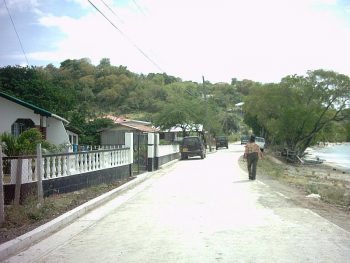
(116, 135)
(175, 134)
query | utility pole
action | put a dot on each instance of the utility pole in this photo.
(206, 112)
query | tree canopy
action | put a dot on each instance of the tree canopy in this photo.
(299, 109)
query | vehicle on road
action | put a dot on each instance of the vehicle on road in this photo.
(192, 146)
(261, 142)
(221, 141)
(244, 139)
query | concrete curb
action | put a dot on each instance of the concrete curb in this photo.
(20, 243)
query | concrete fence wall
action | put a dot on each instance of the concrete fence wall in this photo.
(68, 172)
(61, 165)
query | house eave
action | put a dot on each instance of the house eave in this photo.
(36, 109)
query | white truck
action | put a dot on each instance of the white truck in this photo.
(261, 142)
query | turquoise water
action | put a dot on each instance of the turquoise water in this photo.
(338, 154)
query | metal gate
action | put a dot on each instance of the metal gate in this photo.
(140, 153)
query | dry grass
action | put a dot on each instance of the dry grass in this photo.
(331, 184)
(24, 218)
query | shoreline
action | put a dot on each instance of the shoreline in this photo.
(337, 167)
(325, 170)
(320, 151)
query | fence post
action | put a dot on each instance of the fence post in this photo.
(39, 170)
(2, 210)
(150, 152)
(156, 151)
(130, 144)
(68, 162)
(18, 180)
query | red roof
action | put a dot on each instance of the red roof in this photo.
(115, 119)
(139, 127)
(134, 124)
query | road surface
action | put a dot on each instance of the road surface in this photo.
(197, 211)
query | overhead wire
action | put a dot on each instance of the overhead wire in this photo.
(14, 27)
(138, 7)
(127, 38)
(110, 9)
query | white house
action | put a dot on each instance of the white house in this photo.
(17, 116)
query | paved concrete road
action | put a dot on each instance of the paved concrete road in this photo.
(197, 211)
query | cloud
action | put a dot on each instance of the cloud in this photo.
(327, 2)
(81, 3)
(21, 6)
(259, 40)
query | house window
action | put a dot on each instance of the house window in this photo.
(21, 125)
(73, 139)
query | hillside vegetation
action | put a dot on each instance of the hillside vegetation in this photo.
(297, 112)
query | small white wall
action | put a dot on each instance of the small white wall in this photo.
(10, 112)
(55, 132)
(74, 137)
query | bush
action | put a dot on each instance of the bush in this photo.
(25, 144)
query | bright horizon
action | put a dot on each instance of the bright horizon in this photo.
(258, 40)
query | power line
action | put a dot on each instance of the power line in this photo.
(138, 7)
(127, 38)
(112, 11)
(19, 39)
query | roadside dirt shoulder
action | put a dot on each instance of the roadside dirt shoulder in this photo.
(277, 175)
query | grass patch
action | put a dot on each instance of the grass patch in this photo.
(29, 212)
(280, 172)
(20, 219)
(331, 191)
(335, 193)
(266, 167)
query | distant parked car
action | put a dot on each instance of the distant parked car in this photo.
(261, 142)
(221, 141)
(192, 146)
(244, 139)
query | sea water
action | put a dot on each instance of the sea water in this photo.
(337, 154)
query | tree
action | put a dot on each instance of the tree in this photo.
(229, 122)
(179, 110)
(295, 111)
(91, 135)
(145, 97)
(43, 87)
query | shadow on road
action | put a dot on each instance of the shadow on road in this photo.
(242, 181)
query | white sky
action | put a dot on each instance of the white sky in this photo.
(222, 39)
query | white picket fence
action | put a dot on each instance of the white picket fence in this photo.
(66, 164)
(59, 165)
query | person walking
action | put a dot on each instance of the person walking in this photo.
(252, 153)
